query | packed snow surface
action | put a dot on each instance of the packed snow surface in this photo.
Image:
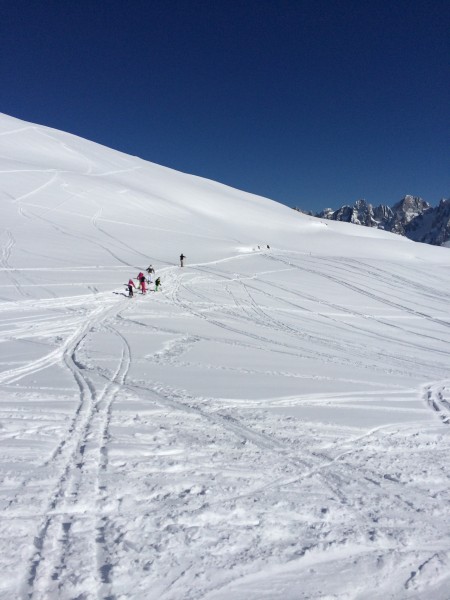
(272, 424)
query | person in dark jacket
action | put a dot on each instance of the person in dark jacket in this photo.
(182, 257)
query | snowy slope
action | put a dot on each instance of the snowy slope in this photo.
(273, 424)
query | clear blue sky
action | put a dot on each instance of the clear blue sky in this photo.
(312, 103)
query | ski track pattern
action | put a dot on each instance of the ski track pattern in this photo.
(5, 255)
(437, 397)
(355, 495)
(347, 485)
(84, 481)
(81, 458)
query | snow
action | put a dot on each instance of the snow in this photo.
(273, 424)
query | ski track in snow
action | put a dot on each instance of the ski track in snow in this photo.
(5, 254)
(234, 508)
(72, 524)
(40, 188)
(80, 493)
(438, 398)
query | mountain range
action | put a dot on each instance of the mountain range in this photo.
(412, 217)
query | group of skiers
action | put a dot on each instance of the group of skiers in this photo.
(143, 280)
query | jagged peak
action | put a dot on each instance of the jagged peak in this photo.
(410, 202)
(412, 217)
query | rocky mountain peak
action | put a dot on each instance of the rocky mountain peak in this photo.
(409, 207)
(412, 217)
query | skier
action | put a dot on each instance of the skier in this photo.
(150, 270)
(143, 282)
(139, 278)
(130, 285)
(182, 257)
(157, 284)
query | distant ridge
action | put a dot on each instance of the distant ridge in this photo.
(412, 217)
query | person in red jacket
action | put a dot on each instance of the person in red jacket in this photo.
(143, 282)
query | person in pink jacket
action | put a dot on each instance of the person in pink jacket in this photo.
(143, 282)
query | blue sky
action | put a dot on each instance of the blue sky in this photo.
(311, 103)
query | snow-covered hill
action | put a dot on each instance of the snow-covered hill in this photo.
(273, 424)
